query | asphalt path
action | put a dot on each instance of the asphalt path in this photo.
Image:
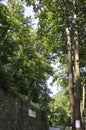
(52, 128)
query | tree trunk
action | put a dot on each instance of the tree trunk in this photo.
(77, 94)
(70, 69)
(74, 90)
(70, 76)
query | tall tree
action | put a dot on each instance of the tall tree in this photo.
(23, 68)
(52, 28)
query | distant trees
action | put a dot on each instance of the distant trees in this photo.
(59, 112)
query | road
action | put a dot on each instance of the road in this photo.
(52, 128)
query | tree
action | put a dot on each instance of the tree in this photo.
(54, 18)
(59, 114)
(24, 69)
(75, 95)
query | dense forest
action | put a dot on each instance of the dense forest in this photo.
(27, 55)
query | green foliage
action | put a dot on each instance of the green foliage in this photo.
(26, 55)
(51, 28)
(59, 114)
(51, 32)
(23, 68)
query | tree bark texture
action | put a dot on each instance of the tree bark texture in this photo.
(74, 77)
(70, 68)
(77, 69)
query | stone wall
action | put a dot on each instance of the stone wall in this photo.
(16, 115)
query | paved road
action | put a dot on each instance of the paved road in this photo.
(51, 128)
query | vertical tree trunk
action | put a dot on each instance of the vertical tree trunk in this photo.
(74, 91)
(70, 68)
(78, 121)
(70, 77)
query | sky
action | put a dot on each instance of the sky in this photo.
(29, 12)
(53, 87)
